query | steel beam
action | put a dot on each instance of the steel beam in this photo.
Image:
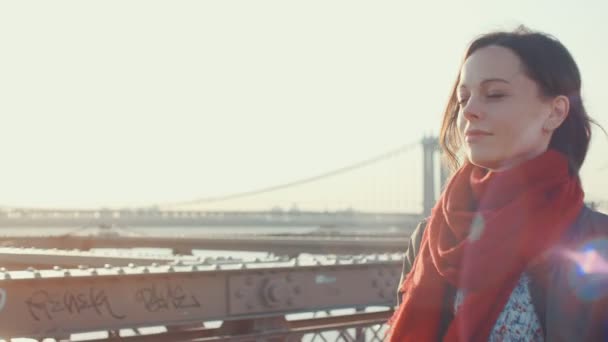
(57, 303)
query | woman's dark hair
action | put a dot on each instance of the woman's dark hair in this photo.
(550, 65)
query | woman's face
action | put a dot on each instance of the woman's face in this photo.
(502, 117)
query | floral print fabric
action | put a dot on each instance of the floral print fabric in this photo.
(518, 321)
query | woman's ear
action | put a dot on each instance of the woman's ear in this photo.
(560, 106)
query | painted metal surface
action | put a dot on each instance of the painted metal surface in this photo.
(59, 302)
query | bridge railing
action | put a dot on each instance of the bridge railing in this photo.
(305, 299)
(321, 326)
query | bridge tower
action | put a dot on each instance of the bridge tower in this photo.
(430, 145)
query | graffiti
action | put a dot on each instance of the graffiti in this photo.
(169, 297)
(42, 304)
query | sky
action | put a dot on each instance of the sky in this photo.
(132, 103)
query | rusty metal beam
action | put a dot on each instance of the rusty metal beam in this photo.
(21, 258)
(45, 258)
(290, 329)
(56, 303)
(291, 245)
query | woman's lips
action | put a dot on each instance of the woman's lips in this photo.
(475, 135)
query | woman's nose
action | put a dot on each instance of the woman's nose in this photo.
(471, 111)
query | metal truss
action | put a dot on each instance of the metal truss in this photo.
(244, 295)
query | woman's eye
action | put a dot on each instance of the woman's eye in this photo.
(495, 96)
(462, 102)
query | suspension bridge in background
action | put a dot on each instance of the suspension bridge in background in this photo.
(394, 188)
(388, 189)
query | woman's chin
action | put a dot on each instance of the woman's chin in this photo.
(485, 161)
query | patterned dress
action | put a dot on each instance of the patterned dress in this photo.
(518, 321)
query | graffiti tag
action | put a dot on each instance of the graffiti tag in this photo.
(168, 297)
(42, 304)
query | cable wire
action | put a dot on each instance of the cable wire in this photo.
(342, 170)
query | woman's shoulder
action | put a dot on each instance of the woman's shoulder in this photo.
(592, 222)
(598, 217)
(580, 287)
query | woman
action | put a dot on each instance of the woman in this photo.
(510, 252)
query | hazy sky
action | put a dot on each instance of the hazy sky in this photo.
(138, 102)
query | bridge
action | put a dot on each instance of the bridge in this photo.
(284, 204)
(289, 245)
(335, 282)
(303, 299)
(394, 188)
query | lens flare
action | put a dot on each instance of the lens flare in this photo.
(589, 261)
(589, 277)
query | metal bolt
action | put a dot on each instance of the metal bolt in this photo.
(57, 268)
(107, 266)
(131, 265)
(145, 270)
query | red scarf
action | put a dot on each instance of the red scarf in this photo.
(484, 231)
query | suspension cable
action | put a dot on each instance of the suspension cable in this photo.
(342, 170)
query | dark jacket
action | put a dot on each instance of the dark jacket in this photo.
(571, 306)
